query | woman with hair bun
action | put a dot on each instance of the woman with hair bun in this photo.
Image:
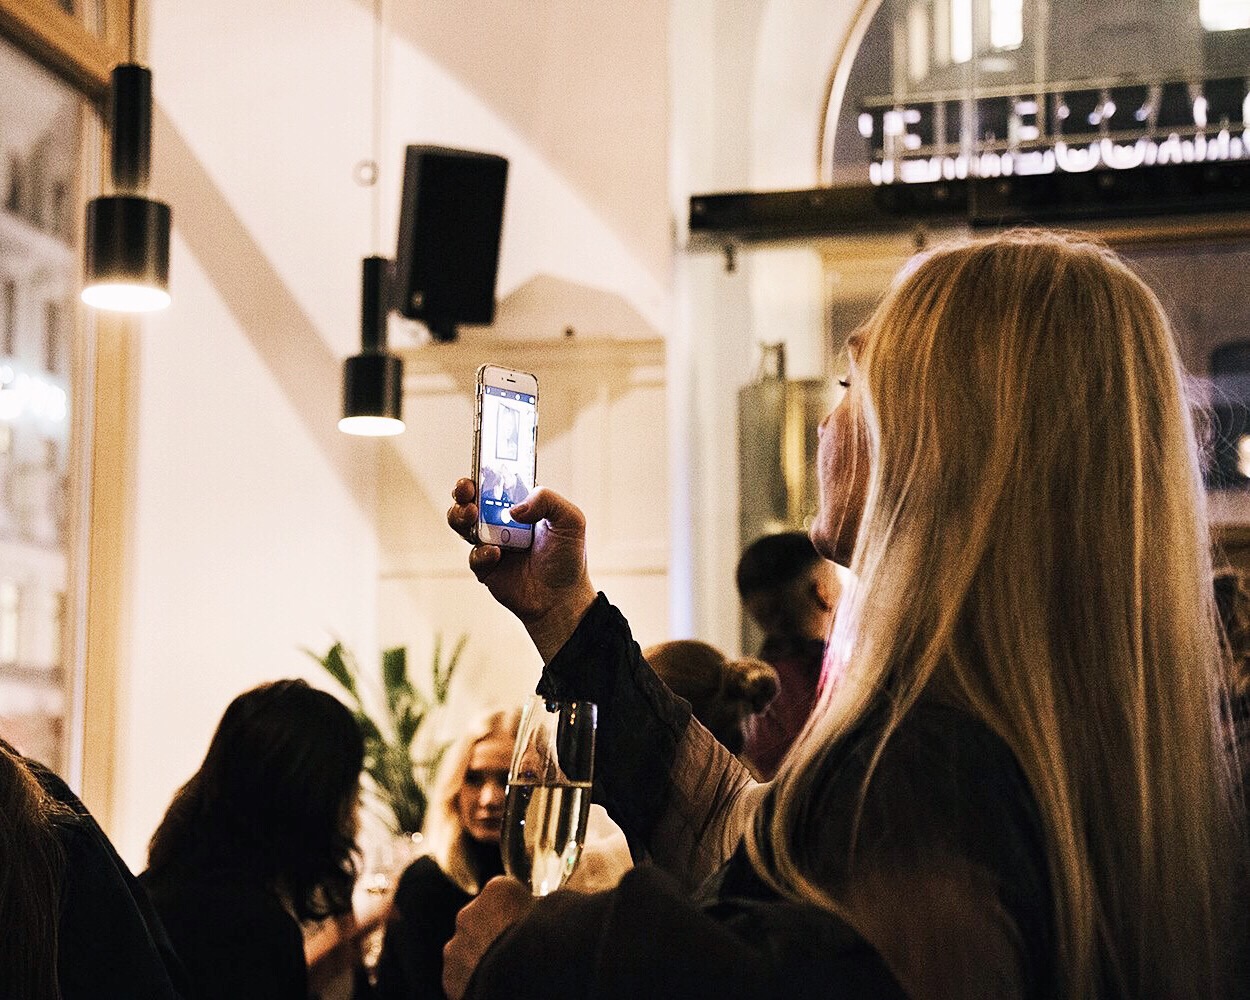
(725, 695)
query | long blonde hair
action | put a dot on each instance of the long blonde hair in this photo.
(1034, 548)
(444, 833)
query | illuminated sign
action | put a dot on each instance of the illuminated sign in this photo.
(1115, 127)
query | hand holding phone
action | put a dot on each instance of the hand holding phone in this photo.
(505, 453)
(547, 587)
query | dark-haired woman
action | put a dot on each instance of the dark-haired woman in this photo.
(73, 922)
(259, 840)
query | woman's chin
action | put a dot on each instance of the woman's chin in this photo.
(487, 834)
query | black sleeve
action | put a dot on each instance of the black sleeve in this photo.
(640, 720)
(105, 947)
(645, 938)
(422, 921)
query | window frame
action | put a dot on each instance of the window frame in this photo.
(63, 44)
(102, 353)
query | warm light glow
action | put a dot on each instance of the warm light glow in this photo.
(918, 42)
(120, 296)
(371, 426)
(961, 30)
(1006, 23)
(23, 395)
(1243, 455)
(1224, 15)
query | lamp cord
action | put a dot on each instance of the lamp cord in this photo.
(379, 87)
(130, 40)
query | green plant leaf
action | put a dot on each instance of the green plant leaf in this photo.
(369, 730)
(442, 680)
(407, 726)
(393, 779)
(338, 664)
(395, 675)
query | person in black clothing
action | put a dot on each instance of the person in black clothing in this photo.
(463, 832)
(259, 840)
(1232, 601)
(1015, 783)
(791, 591)
(74, 923)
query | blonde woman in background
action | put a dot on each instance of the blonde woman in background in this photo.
(462, 831)
(1015, 783)
(462, 836)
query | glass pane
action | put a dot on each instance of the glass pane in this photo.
(42, 124)
(943, 89)
(92, 14)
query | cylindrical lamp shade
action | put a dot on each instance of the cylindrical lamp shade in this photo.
(373, 395)
(127, 254)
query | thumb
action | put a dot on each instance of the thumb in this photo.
(545, 504)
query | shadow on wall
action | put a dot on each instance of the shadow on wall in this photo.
(546, 307)
(556, 73)
(301, 364)
(592, 368)
(546, 320)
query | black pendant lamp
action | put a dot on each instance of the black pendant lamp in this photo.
(373, 380)
(127, 254)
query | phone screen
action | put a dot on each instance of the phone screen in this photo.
(506, 472)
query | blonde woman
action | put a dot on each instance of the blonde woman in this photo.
(1014, 783)
(462, 834)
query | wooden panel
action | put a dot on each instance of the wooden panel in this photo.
(62, 43)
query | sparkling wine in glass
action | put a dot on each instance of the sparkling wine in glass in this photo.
(548, 803)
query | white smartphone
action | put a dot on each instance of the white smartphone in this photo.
(505, 453)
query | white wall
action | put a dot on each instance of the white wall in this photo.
(254, 529)
(252, 519)
(748, 82)
(576, 96)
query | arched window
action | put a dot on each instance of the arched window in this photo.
(947, 89)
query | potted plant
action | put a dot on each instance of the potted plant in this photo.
(395, 774)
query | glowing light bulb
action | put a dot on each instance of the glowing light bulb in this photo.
(124, 297)
(371, 426)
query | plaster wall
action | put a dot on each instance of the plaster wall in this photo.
(255, 528)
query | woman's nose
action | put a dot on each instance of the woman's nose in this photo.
(492, 793)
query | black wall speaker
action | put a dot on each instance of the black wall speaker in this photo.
(450, 221)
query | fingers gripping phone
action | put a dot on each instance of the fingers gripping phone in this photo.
(505, 453)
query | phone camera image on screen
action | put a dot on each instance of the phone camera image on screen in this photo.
(507, 454)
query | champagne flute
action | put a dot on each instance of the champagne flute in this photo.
(548, 804)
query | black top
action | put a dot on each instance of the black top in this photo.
(422, 921)
(111, 944)
(949, 865)
(236, 939)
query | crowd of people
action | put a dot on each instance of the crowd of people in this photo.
(1007, 761)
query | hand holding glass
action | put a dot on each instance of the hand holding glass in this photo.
(549, 782)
